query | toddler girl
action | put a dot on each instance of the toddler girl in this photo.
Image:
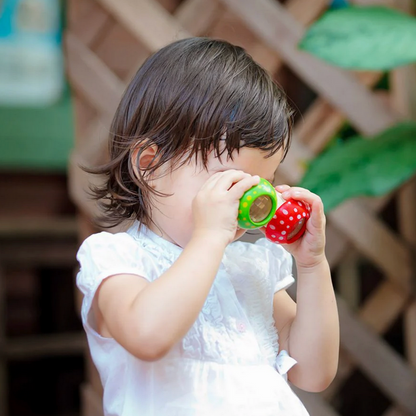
(179, 320)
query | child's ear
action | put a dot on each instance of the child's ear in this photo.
(143, 159)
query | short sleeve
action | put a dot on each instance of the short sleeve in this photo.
(279, 262)
(104, 254)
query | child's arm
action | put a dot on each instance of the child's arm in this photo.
(147, 319)
(309, 331)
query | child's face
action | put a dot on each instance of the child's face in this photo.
(173, 213)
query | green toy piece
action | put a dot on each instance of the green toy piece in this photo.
(257, 206)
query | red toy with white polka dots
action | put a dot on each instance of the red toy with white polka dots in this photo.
(289, 222)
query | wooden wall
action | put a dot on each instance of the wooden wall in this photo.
(107, 40)
(42, 343)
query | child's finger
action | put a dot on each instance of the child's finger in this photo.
(214, 180)
(300, 194)
(238, 189)
(233, 177)
(282, 188)
(317, 218)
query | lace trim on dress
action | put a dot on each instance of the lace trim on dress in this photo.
(259, 305)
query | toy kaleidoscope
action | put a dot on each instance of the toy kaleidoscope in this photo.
(257, 206)
(262, 206)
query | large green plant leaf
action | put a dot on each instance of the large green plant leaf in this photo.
(361, 166)
(363, 38)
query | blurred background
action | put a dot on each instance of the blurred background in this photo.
(348, 70)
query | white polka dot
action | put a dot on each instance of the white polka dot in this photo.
(300, 204)
(285, 212)
(272, 227)
(299, 217)
(296, 210)
(283, 232)
(282, 222)
(291, 218)
(304, 214)
(280, 238)
(274, 217)
(288, 227)
(273, 236)
(289, 203)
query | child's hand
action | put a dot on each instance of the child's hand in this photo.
(215, 206)
(309, 250)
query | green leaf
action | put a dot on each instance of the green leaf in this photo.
(363, 38)
(361, 166)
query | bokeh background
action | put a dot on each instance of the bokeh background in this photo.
(348, 70)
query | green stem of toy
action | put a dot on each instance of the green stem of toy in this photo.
(257, 206)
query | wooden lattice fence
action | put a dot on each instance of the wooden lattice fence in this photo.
(107, 40)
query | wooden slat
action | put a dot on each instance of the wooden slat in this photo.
(322, 121)
(279, 30)
(337, 244)
(25, 348)
(304, 12)
(89, 23)
(349, 280)
(379, 311)
(79, 184)
(57, 253)
(380, 363)
(410, 333)
(120, 51)
(293, 167)
(147, 20)
(196, 16)
(375, 241)
(83, 114)
(383, 306)
(91, 77)
(93, 150)
(35, 227)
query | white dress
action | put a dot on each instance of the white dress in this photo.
(226, 365)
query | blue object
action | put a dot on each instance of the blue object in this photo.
(31, 64)
(338, 4)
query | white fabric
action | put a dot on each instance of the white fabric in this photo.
(228, 362)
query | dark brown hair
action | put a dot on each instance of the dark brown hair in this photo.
(189, 98)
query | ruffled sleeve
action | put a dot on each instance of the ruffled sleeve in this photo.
(279, 263)
(103, 255)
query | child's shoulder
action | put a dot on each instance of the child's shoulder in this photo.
(104, 254)
(106, 239)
